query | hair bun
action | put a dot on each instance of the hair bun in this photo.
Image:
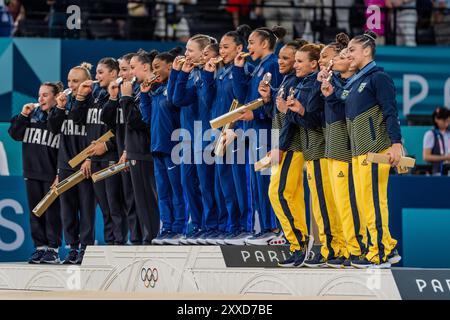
(176, 51)
(279, 32)
(342, 39)
(60, 86)
(86, 65)
(244, 30)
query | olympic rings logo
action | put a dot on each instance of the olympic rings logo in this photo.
(149, 276)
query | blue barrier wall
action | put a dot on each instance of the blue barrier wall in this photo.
(421, 75)
(424, 226)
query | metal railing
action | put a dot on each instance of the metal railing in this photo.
(159, 20)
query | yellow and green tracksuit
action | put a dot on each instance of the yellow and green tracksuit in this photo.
(339, 155)
(323, 206)
(286, 191)
(373, 126)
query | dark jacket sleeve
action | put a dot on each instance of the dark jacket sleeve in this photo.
(132, 114)
(19, 124)
(109, 113)
(385, 91)
(80, 109)
(55, 120)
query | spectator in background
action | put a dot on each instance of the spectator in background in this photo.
(282, 16)
(239, 13)
(342, 16)
(436, 142)
(6, 21)
(405, 18)
(375, 26)
(442, 22)
(17, 11)
(4, 171)
(177, 25)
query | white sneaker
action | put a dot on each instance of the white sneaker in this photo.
(279, 240)
(261, 239)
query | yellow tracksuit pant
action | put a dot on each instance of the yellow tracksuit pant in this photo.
(371, 181)
(286, 195)
(324, 209)
(354, 231)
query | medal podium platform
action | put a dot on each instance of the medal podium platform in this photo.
(228, 270)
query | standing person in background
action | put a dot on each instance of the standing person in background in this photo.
(406, 21)
(436, 142)
(40, 152)
(4, 171)
(113, 116)
(6, 21)
(441, 17)
(177, 25)
(282, 15)
(17, 11)
(240, 10)
(342, 15)
(77, 203)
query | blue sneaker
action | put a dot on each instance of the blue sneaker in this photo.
(363, 263)
(195, 236)
(185, 237)
(36, 257)
(173, 239)
(296, 260)
(51, 257)
(71, 257)
(159, 240)
(315, 261)
(261, 238)
(216, 238)
(338, 262)
(394, 257)
(237, 238)
(205, 235)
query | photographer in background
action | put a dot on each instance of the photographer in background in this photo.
(436, 142)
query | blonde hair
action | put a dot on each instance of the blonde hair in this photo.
(86, 68)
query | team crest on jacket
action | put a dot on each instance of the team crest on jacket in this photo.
(165, 92)
(344, 94)
(361, 87)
